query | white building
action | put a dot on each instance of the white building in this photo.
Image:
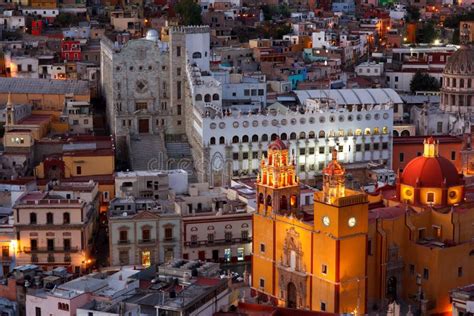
(12, 22)
(21, 66)
(370, 69)
(150, 184)
(79, 116)
(49, 13)
(320, 40)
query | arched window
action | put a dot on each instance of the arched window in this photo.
(302, 135)
(66, 218)
(322, 134)
(461, 83)
(261, 199)
(283, 203)
(367, 131)
(293, 136)
(215, 97)
(274, 136)
(235, 139)
(264, 138)
(245, 139)
(207, 98)
(254, 138)
(358, 132)
(222, 140)
(198, 97)
(405, 133)
(49, 218)
(32, 218)
(213, 141)
(350, 133)
(340, 133)
(385, 130)
(197, 55)
(283, 136)
(269, 200)
(395, 133)
(376, 131)
(311, 135)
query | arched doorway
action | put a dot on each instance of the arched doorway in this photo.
(392, 288)
(283, 203)
(291, 295)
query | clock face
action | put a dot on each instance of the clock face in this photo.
(326, 221)
(351, 222)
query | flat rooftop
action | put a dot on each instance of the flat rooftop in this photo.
(43, 86)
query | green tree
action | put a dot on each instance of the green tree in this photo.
(189, 12)
(422, 81)
(413, 14)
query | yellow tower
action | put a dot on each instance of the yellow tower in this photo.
(340, 246)
(277, 183)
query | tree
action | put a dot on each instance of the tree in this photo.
(423, 82)
(413, 14)
(189, 12)
(427, 34)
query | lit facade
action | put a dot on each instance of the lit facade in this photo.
(313, 265)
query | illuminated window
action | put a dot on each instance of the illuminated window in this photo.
(385, 130)
(146, 258)
(358, 132)
(227, 254)
(367, 131)
(430, 197)
(376, 131)
(240, 254)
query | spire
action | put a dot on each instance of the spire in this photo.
(430, 149)
(9, 100)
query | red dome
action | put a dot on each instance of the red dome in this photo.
(430, 172)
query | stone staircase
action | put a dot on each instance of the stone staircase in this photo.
(180, 157)
(147, 152)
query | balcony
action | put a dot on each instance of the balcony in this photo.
(217, 242)
(145, 241)
(124, 242)
(46, 249)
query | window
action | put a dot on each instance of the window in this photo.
(384, 145)
(430, 197)
(227, 254)
(412, 269)
(324, 269)
(50, 244)
(235, 156)
(302, 151)
(19, 68)
(178, 51)
(439, 127)
(168, 233)
(146, 234)
(33, 244)
(323, 306)
(123, 257)
(262, 283)
(222, 140)
(178, 71)
(123, 236)
(140, 106)
(210, 238)
(178, 90)
(228, 236)
(78, 170)
(67, 244)
(37, 311)
(453, 155)
(426, 274)
(460, 272)
(311, 150)
(401, 157)
(240, 254)
(366, 147)
(179, 109)
(5, 251)
(244, 235)
(262, 248)
(321, 150)
(32, 218)
(246, 92)
(421, 233)
(436, 232)
(49, 218)
(358, 147)
(376, 146)
(66, 218)
(197, 55)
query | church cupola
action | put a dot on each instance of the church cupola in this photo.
(333, 180)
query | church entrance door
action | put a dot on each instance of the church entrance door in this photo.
(291, 295)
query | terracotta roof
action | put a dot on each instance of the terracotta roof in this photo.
(430, 172)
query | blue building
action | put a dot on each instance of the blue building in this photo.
(297, 75)
(344, 6)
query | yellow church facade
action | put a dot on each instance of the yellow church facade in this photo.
(351, 257)
(309, 263)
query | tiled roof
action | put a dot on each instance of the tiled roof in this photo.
(43, 86)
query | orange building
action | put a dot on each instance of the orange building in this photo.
(407, 148)
(420, 245)
(349, 256)
(307, 261)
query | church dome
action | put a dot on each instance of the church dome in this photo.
(430, 170)
(461, 62)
